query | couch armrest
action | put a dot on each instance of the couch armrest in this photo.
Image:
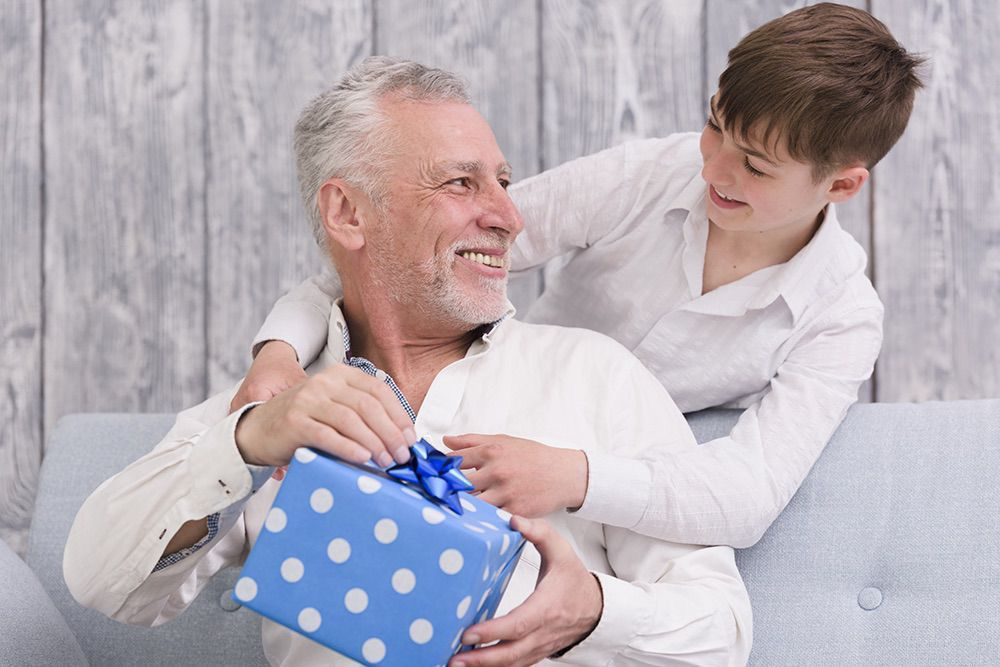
(32, 631)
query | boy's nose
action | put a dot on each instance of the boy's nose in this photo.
(717, 167)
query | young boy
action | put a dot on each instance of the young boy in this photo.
(719, 261)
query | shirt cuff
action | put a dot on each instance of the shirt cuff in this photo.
(623, 613)
(300, 324)
(617, 490)
(219, 443)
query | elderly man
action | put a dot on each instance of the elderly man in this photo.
(406, 190)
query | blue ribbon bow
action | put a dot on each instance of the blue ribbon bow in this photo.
(436, 473)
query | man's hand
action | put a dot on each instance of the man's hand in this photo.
(523, 477)
(274, 369)
(340, 410)
(564, 608)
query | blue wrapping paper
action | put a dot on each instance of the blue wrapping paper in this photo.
(372, 568)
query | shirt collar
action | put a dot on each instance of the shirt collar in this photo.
(830, 256)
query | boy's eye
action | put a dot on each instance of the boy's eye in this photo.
(750, 168)
(710, 124)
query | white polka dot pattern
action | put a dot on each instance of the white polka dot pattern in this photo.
(403, 581)
(321, 501)
(373, 650)
(463, 607)
(368, 484)
(351, 559)
(339, 550)
(310, 619)
(246, 589)
(276, 520)
(292, 570)
(421, 631)
(356, 600)
(305, 455)
(386, 531)
(451, 561)
(432, 515)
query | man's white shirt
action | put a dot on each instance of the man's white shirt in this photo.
(790, 344)
(664, 603)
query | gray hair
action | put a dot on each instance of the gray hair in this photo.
(343, 132)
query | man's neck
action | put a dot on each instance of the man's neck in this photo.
(396, 343)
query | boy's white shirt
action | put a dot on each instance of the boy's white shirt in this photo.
(791, 344)
(664, 603)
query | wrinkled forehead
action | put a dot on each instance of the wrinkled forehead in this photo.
(442, 132)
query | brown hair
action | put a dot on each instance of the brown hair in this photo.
(830, 80)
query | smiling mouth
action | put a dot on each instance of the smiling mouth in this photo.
(495, 261)
(724, 197)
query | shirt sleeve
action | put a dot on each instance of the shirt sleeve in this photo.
(301, 318)
(729, 490)
(590, 199)
(122, 529)
(664, 603)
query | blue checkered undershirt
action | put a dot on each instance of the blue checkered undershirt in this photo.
(214, 521)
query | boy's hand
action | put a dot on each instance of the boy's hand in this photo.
(522, 476)
(565, 607)
(340, 410)
(274, 369)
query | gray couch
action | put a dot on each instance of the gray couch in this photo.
(889, 554)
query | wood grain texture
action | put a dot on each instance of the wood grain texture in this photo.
(726, 24)
(20, 267)
(265, 62)
(494, 46)
(124, 170)
(616, 71)
(937, 232)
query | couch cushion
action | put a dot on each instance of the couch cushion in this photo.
(888, 554)
(890, 551)
(82, 452)
(33, 631)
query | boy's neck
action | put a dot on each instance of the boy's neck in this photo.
(732, 255)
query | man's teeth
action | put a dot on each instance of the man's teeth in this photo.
(488, 260)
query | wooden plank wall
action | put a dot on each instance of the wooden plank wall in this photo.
(150, 214)
(20, 266)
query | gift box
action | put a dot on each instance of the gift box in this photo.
(377, 568)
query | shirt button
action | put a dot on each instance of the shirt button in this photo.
(227, 602)
(870, 598)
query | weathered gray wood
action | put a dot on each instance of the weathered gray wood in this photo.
(615, 71)
(937, 232)
(726, 24)
(494, 46)
(124, 216)
(20, 266)
(266, 60)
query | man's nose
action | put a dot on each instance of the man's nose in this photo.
(499, 211)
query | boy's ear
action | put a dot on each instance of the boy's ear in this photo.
(846, 183)
(338, 210)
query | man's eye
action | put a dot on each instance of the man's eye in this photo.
(463, 182)
(504, 183)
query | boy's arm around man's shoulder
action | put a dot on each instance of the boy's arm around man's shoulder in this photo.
(121, 531)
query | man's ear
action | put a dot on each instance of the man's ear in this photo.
(338, 210)
(846, 183)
